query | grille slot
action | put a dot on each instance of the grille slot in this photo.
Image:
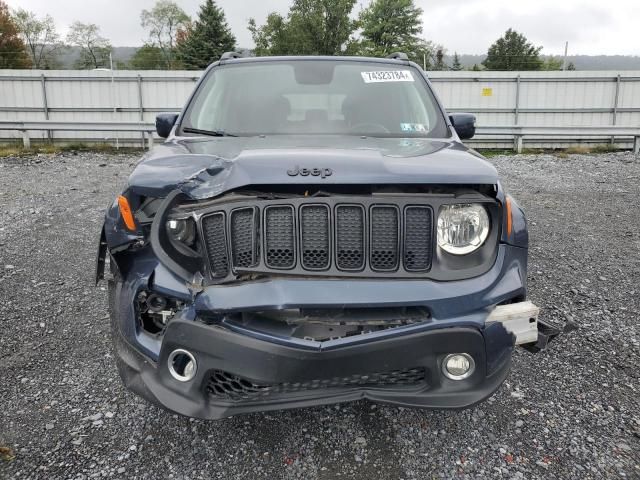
(213, 227)
(243, 237)
(350, 237)
(418, 249)
(279, 237)
(227, 386)
(384, 240)
(314, 236)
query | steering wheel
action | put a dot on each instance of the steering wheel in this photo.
(366, 128)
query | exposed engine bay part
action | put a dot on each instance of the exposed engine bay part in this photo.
(155, 311)
(320, 325)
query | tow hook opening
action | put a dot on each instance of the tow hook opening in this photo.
(182, 365)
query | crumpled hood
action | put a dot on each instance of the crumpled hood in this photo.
(207, 167)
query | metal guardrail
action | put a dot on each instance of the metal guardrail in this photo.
(49, 125)
(517, 132)
(520, 132)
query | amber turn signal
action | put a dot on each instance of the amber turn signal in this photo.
(125, 212)
(508, 214)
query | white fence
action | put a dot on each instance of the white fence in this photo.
(539, 99)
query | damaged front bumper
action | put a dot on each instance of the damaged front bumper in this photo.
(242, 367)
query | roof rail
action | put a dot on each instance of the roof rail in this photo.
(398, 56)
(229, 55)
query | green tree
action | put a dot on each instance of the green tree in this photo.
(13, 52)
(513, 52)
(147, 57)
(389, 26)
(571, 66)
(94, 48)
(312, 27)
(456, 65)
(551, 63)
(165, 23)
(439, 63)
(273, 37)
(207, 38)
(40, 37)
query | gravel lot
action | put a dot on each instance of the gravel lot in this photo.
(572, 411)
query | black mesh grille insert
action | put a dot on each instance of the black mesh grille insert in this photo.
(417, 239)
(243, 237)
(349, 237)
(384, 238)
(227, 386)
(314, 232)
(280, 239)
(215, 237)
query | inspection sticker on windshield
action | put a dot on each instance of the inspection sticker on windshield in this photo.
(387, 76)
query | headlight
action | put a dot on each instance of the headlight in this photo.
(462, 228)
(182, 230)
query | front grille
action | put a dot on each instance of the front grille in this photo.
(227, 386)
(417, 252)
(350, 237)
(216, 240)
(280, 237)
(320, 236)
(314, 234)
(384, 238)
(243, 237)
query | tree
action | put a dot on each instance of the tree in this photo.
(273, 37)
(13, 52)
(551, 63)
(207, 39)
(39, 36)
(571, 66)
(439, 62)
(165, 21)
(312, 27)
(513, 52)
(147, 57)
(394, 25)
(94, 49)
(456, 65)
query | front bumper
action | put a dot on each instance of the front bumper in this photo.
(322, 377)
(464, 319)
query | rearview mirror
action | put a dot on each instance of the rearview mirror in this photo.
(464, 124)
(165, 122)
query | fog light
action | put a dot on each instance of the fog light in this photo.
(458, 366)
(182, 365)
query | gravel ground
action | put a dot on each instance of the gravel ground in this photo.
(572, 411)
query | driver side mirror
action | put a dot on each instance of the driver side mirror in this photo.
(164, 123)
(464, 124)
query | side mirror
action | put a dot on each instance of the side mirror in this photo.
(464, 124)
(165, 122)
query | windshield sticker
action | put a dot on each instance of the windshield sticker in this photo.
(387, 76)
(413, 127)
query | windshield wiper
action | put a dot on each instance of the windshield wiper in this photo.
(212, 133)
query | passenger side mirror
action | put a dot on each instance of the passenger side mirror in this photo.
(165, 122)
(464, 124)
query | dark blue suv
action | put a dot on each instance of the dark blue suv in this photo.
(313, 231)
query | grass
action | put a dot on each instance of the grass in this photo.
(16, 150)
(558, 152)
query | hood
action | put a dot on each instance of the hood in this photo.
(206, 167)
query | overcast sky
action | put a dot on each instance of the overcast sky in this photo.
(467, 26)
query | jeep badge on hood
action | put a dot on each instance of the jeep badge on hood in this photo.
(316, 172)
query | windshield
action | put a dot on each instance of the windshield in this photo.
(315, 97)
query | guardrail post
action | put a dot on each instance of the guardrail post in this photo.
(45, 103)
(517, 108)
(518, 143)
(26, 140)
(149, 140)
(615, 106)
(636, 145)
(140, 105)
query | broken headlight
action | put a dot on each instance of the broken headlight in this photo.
(182, 230)
(462, 228)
